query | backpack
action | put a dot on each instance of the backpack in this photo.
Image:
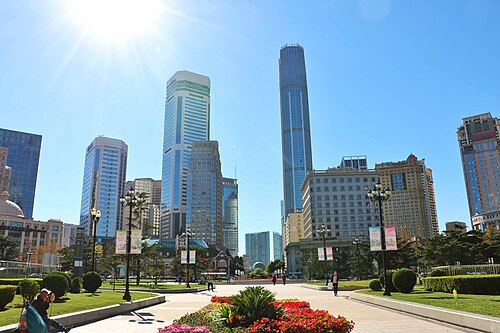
(30, 321)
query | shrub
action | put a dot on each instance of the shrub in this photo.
(465, 284)
(183, 328)
(91, 281)
(375, 285)
(76, 285)
(390, 286)
(254, 303)
(7, 294)
(28, 289)
(404, 280)
(437, 272)
(57, 283)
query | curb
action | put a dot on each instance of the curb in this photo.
(458, 318)
(90, 316)
(322, 288)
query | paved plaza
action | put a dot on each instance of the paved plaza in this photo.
(367, 318)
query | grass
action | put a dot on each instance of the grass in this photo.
(69, 303)
(344, 283)
(121, 285)
(488, 305)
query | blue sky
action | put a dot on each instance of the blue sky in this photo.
(385, 78)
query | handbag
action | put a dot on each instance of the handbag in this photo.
(330, 286)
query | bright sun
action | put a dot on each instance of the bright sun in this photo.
(115, 19)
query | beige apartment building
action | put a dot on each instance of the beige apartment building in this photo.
(412, 205)
(294, 227)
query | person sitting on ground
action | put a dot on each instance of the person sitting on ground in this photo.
(42, 303)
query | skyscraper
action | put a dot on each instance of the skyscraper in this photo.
(412, 205)
(5, 170)
(295, 127)
(258, 247)
(23, 156)
(277, 246)
(230, 215)
(478, 138)
(204, 193)
(103, 185)
(150, 211)
(187, 119)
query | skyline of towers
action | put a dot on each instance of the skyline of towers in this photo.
(478, 139)
(103, 184)
(22, 157)
(187, 119)
(295, 125)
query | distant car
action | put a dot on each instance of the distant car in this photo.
(34, 275)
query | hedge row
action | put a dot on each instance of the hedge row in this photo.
(465, 284)
(6, 295)
(15, 281)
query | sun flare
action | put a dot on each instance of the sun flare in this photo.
(115, 19)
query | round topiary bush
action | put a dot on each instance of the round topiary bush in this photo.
(57, 283)
(404, 280)
(375, 285)
(437, 272)
(91, 281)
(390, 286)
(76, 285)
(28, 288)
(7, 294)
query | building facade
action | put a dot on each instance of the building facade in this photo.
(355, 162)
(412, 206)
(187, 119)
(5, 170)
(103, 185)
(23, 157)
(294, 228)
(69, 234)
(230, 215)
(336, 198)
(478, 139)
(204, 193)
(258, 247)
(295, 126)
(149, 219)
(456, 225)
(277, 246)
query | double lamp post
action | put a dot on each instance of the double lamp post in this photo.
(95, 215)
(130, 200)
(188, 234)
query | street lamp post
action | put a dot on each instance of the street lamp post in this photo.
(188, 234)
(95, 215)
(129, 200)
(377, 194)
(323, 231)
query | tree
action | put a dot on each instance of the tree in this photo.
(273, 266)
(360, 260)
(9, 249)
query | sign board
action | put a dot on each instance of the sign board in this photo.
(390, 238)
(192, 257)
(321, 254)
(375, 239)
(329, 253)
(136, 240)
(121, 241)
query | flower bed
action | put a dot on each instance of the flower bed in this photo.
(234, 314)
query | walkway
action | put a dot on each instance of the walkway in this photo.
(367, 318)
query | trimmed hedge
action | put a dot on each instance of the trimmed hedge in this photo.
(91, 282)
(15, 281)
(375, 285)
(390, 286)
(76, 285)
(7, 294)
(437, 272)
(404, 280)
(465, 284)
(57, 283)
(28, 289)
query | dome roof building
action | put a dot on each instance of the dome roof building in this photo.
(8, 207)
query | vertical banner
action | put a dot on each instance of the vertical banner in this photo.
(136, 240)
(375, 239)
(121, 242)
(184, 257)
(321, 254)
(192, 257)
(390, 239)
(329, 253)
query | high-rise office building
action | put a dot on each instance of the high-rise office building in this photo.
(23, 156)
(355, 162)
(103, 185)
(187, 119)
(230, 215)
(412, 205)
(149, 221)
(479, 140)
(277, 246)
(258, 247)
(204, 193)
(5, 170)
(295, 127)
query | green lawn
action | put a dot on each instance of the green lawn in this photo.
(121, 285)
(70, 303)
(481, 304)
(343, 283)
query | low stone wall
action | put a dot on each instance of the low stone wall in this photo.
(90, 316)
(459, 318)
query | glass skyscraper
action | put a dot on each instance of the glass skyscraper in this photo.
(23, 156)
(230, 215)
(103, 185)
(295, 127)
(258, 247)
(187, 119)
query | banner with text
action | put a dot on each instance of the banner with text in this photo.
(321, 254)
(192, 257)
(136, 240)
(121, 242)
(375, 239)
(329, 253)
(390, 239)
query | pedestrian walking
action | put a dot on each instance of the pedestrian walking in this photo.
(210, 284)
(228, 278)
(284, 278)
(274, 279)
(335, 283)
